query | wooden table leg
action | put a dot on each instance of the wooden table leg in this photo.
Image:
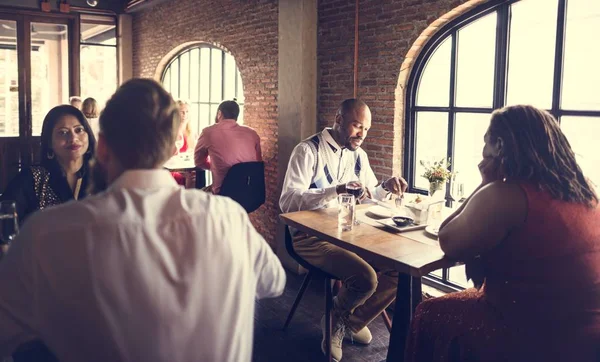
(408, 296)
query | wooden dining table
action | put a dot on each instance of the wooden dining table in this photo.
(180, 163)
(185, 164)
(413, 254)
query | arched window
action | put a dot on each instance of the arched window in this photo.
(539, 52)
(204, 75)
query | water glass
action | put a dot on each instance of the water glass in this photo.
(434, 214)
(355, 188)
(346, 211)
(457, 190)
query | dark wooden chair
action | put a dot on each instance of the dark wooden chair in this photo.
(200, 178)
(312, 272)
(245, 184)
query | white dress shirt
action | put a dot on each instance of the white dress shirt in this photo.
(146, 271)
(308, 187)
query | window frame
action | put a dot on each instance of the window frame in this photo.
(209, 103)
(115, 21)
(502, 7)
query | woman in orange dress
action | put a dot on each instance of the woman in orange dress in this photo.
(531, 233)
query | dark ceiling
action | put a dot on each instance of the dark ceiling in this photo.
(118, 6)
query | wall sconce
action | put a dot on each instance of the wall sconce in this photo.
(46, 6)
(64, 6)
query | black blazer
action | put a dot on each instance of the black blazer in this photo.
(38, 187)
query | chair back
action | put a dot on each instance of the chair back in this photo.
(200, 178)
(245, 184)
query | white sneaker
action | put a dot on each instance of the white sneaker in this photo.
(363, 336)
(338, 330)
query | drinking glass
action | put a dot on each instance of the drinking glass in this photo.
(434, 214)
(9, 226)
(346, 211)
(355, 188)
(179, 143)
(460, 194)
(457, 189)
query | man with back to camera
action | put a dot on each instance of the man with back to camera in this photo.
(320, 168)
(145, 270)
(225, 144)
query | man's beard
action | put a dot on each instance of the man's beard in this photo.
(98, 176)
(350, 146)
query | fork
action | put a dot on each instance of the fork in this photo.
(399, 201)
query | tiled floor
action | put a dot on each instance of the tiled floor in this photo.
(302, 340)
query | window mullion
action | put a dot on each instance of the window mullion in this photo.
(189, 71)
(210, 75)
(178, 76)
(559, 57)
(500, 71)
(199, 65)
(452, 113)
(223, 75)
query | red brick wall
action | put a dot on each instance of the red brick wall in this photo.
(387, 29)
(248, 29)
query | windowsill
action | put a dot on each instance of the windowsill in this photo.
(434, 292)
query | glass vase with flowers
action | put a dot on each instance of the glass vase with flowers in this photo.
(438, 174)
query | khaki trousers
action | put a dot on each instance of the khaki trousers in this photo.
(365, 292)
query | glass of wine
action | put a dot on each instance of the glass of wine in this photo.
(457, 190)
(179, 143)
(9, 226)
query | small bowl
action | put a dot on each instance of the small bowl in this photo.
(402, 220)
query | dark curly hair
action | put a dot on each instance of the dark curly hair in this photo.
(536, 149)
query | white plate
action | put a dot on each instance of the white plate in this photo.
(382, 211)
(392, 225)
(432, 231)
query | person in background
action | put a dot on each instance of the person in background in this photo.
(75, 101)
(144, 270)
(185, 135)
(67, 145)
(91, 112)
(185, 141)
(225, 144)
(319, 169)
(532, 228)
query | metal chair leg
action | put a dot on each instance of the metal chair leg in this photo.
(299, 296)
(328, 321)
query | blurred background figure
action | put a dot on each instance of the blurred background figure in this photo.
(67, 145)
(226, 143)
(91, 112)
(186, 140)
(75, 102)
